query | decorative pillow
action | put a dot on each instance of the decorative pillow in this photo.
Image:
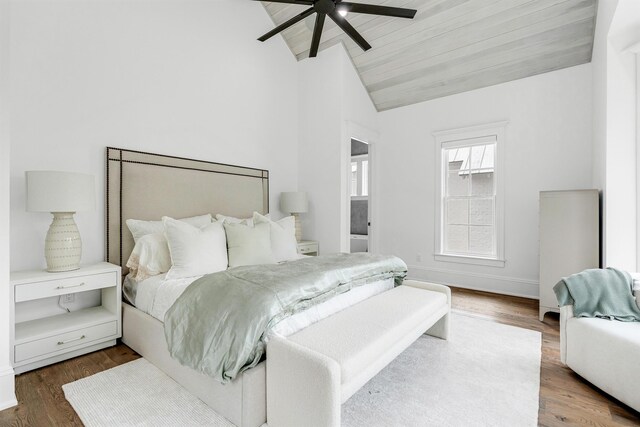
(150, 257)
(195, 251)
(636, 289)
(283, 236)
(233, 220)
(141, 228)
(249, 245)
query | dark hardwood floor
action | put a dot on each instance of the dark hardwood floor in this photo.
(565, 398)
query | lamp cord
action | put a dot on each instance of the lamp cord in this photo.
(62, 306)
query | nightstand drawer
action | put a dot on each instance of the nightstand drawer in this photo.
(307, 249)
(64, 341)
(52, 288)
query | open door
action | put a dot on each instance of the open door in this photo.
(360, 218)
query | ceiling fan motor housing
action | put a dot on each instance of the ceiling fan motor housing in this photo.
(324, 6)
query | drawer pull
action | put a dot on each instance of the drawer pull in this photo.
(70, 286)
(68, 341)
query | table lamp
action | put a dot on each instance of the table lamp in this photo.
(295, 203)
(62, 194)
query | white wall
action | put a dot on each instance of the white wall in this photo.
(175, 77)
(621, 193)
(332, 102)
(606, 9)
(7, 395)
(320, 113)
(614, 129)
(548, 147)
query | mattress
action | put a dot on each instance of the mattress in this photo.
(156, 295)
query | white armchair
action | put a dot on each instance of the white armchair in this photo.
(604, 352)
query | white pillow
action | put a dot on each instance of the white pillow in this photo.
(141, 228)
(249, 245)
(233, 220)
(195, 251)
(150, 257)
(636, 290)
(283, 236)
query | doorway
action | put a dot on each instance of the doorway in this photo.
(359, 186)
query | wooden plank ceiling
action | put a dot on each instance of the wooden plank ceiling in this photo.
(453, 46)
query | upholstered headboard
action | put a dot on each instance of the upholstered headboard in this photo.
(149, 186)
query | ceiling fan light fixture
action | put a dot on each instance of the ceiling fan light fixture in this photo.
(336, 10)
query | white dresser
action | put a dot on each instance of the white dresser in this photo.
(569, 239)
(51, 338)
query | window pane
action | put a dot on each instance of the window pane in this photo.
(354, 178)
(457, 184)
(481, 240)
(481, 211)
(365, 177)
(482, 184)
(482, 158)
(456, 238)
(458, 158)
(477, 153)
(458, 211)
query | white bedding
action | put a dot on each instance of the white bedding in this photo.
(156, 295)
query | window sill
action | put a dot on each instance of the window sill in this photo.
(460, 259)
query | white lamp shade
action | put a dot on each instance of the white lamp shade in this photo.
(294, 202)
(49, 191)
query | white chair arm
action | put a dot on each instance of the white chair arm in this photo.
(566, 313)
(310, 379)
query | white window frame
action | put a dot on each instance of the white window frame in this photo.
(464, 137)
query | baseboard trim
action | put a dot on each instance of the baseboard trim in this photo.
(513, 286)
(7, 388)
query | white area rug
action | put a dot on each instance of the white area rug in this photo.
(486, 374)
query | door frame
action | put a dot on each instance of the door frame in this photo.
(352, 130)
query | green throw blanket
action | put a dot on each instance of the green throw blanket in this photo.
(217, 326)
(599, 293)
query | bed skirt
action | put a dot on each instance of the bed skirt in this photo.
(242, 401)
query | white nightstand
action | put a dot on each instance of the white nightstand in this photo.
(51, 338)
(308, 247)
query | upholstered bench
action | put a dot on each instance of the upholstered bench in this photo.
(312, 372)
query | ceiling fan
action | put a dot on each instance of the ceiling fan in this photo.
(336, 10)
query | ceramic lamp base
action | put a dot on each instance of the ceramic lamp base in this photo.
(298, 227)
(63, 247)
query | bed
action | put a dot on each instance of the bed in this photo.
(147, 186)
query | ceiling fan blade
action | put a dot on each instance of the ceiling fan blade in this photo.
(300, 2)
(286, 25)
(347, 28)
(371, 9)
(317, 35)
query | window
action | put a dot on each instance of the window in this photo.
(359, 176)
(469, 226)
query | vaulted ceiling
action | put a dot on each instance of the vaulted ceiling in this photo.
(453, 46)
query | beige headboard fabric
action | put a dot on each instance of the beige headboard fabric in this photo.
(149, 186)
